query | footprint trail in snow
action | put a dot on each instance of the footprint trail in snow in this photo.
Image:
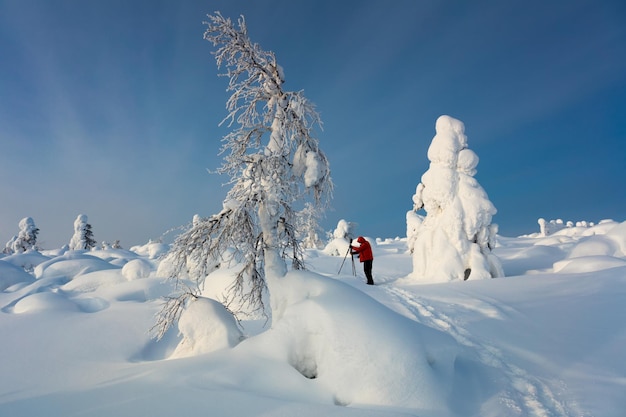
(525, 396)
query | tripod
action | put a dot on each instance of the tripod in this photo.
(344, 260)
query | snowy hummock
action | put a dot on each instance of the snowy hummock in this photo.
(546, 340)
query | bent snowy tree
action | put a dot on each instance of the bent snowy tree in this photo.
(455, 238)
(274, 162)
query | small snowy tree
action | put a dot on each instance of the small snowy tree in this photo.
(8, 248)
(340, 238)
(307, 227)
(455, 238)
(83, 235)
(256, 225)
(26, 239)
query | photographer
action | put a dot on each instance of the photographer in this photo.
(366, 257)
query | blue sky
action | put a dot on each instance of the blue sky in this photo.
(111, 108)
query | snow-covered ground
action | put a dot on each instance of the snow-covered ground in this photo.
(546, 340)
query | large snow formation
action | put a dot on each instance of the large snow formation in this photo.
(455, 239)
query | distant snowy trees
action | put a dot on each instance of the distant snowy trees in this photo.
(547, 228)
(26, 239)
(83, 235)
(307, 227)
(272, 159)
(455, 238)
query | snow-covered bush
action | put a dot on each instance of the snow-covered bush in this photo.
(83, 235)
(340, 238)
(206, 326)
(136, 269)
(455, 238)
(26, 239)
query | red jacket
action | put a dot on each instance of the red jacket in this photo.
(364, 250)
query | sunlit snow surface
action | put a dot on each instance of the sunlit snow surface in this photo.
(546, 340)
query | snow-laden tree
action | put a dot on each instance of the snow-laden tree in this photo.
(8, 248)
(339, 241)
(307, 227)
(273, 161)
(455, 238)
(26, 239)
(82, 239)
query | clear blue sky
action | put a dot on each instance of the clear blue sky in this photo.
(111, 108)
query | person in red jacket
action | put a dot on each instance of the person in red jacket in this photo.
(366, 257)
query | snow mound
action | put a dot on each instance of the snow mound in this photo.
(206, 326)
(152, 250)
(44, 301)
(337, 247)
(26, 260)
(11, 275)
(70, 265)
(136, 269)
(93, 281)
(357, 348)
(114, 255)
(583, 264)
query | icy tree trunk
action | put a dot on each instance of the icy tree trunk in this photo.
(269, 219)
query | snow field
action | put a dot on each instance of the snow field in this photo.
(546, 340)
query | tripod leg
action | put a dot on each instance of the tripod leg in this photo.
(344, 260)
(353, 267)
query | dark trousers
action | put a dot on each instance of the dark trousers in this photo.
(367, 268)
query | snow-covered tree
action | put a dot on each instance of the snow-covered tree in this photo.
(8, 248)
(83, 235)
(273, 160)
(26, 239)
(307, 227)
(455, 238)
(340, 238)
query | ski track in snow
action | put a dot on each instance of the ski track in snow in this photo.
(526, 395)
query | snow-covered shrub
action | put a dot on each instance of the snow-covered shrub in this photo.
(26, 239)
(455, 238)
(83, 235)
(340, 240)
(136, 269)
(206, 326)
